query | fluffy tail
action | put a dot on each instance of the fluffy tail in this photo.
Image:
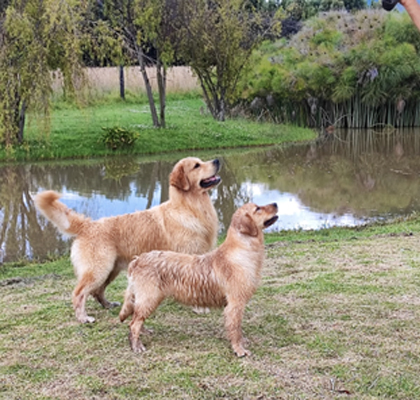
(67, 221)
(127, 308)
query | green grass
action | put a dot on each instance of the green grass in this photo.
(75, 132)
(336, 316)
(398, 226)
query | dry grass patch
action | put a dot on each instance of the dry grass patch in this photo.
(107, 80)
(336, 319)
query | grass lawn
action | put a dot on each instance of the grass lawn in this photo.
(76, 133)
(337, 315)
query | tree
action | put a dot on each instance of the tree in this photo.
(265, 5)
(329, 5)
(146, 25)
(354, 5)
(3, 5)
(36, 37)
(218, 38)
(304, 9)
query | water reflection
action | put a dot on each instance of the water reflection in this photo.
(344, 180)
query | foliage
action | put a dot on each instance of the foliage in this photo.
(343, 69)
(264, 5)
(217, 41)
(304, 9)
(35, 38)
(118, 138)
(102, 45)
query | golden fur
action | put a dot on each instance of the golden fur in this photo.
(226, 277)
(187, 222)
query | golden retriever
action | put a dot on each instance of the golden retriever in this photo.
(226, 277)
(187, 222)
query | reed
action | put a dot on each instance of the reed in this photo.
(347, 70)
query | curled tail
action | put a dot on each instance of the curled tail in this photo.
(67, 221)
(127, 308)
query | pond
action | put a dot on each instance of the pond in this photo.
(344, 179)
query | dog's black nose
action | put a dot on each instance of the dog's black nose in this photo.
(275, 206)
(216, 162)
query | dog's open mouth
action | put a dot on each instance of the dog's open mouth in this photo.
(209, 182)
(270, 221)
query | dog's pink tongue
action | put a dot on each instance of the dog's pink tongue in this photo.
(212, 179)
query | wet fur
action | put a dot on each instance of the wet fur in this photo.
(226, 277)
(187, 222)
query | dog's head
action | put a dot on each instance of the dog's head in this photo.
(251, 219)
(192, 174)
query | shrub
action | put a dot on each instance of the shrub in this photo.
(342, 69)
(116, 138)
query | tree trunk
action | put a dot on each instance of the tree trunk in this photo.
(140, 56)
(216, 105)
(161, 80)
(22, 114)
(122, 82)
(222, 110)
(207, 97)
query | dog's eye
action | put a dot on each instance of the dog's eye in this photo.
(197, 166)
(257, 209)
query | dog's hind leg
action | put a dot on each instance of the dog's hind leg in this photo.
(144, 306)
(99, 294)
(80, 294)
(136, 327)
(93, 261)
(233, 324)
(92, 274)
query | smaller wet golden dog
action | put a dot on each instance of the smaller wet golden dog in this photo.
(226, 277)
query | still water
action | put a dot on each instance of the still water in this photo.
(345, 179)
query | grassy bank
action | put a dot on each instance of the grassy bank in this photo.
(337, 316)
(76, 133)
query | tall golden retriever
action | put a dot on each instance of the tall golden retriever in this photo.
(226, 277)
(187, 222)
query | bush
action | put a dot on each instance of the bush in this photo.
(116, 138)
(343, 69)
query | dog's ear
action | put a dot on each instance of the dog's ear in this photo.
(246, 225)
(178, 178)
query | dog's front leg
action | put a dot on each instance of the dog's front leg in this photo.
(234, 312)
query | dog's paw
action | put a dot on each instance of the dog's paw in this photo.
(201, 310)
(242, 352)
(146, 331)
(88, 320)
(136, 345)
(138, 348)
(110, 304)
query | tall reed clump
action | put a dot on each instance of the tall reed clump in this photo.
(342, 69)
